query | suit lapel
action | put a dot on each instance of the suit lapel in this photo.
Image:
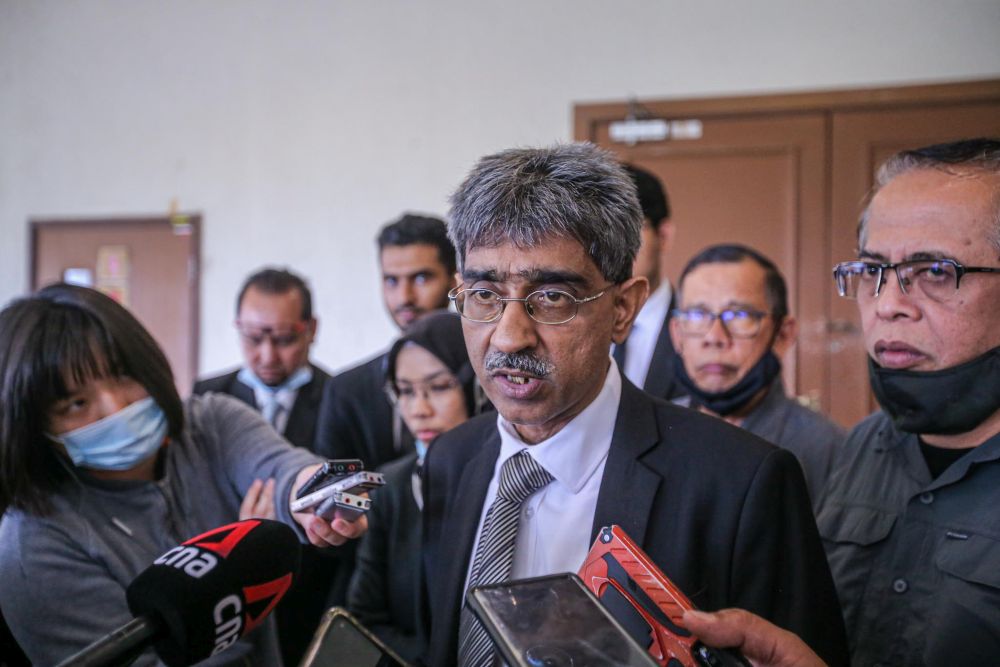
(660, 378)
(463, 515)
(629, 487)
(301, 427)
(243, 392)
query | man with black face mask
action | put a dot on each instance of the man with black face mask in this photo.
(909, 518)
(730, 332)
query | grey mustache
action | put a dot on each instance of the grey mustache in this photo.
(518, 361)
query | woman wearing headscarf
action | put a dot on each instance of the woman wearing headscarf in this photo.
(431, 381)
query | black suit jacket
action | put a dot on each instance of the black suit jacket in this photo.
(356, 419)
(386, 583)
(724, 514)
(301, 427)
(661, 380)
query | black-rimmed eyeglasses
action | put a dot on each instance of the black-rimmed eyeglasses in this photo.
(937, 279)
(550, 306)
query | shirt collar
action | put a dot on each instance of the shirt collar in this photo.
(574, 454)
(654, 311)
(284, 393)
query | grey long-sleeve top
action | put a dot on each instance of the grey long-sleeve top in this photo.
(63, 576)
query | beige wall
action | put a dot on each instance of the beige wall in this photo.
(298, 128)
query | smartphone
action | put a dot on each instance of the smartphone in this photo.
(354, 484)
(330, 471)
(553, 621)
(342, 641)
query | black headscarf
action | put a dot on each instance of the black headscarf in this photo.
(440, 333)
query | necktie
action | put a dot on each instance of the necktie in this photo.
(520, 477)
(271, 409)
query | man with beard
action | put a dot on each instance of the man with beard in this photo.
(417, 263)
(731, 331)
(546, 240)
(909, 519)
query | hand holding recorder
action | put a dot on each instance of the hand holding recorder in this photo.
(329, 502)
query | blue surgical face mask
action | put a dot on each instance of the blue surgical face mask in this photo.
(120, 441)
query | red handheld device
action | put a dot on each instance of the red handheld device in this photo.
(648, 604)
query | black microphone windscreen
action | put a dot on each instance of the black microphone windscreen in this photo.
(216, 587)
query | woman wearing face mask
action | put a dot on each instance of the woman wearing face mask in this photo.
(103, 469)
(433, 386)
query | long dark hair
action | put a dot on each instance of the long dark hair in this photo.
(60, 337)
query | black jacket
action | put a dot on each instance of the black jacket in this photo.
(301, 427)
(356, 419)
(724, 514)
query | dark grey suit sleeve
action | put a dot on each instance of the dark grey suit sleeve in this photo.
(779, 566)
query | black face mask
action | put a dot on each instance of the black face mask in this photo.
(945, 402)
(731, 400)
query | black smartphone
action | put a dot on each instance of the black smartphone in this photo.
(342, 641)
(553, 621)
(329, 472)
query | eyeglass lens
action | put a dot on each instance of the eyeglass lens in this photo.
(935, 279)
(433, 391)
(739, 323)
(545, 307)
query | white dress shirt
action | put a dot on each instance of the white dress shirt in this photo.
(645, 332)
(555, 524)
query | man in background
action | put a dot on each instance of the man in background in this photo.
(731, 331)
(277, 327)
(647, 356)
(417, 265)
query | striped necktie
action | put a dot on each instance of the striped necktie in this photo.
(520, 477)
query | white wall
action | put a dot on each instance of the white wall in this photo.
(298, 128)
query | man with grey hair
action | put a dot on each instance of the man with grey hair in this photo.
(546, 239)
(909, 519)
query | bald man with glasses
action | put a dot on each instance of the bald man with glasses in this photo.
(909, 518)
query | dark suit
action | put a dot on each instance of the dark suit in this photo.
(300, 430)
(356, 419)
(323, 578)
(660, 379)
(724, 514)
(386, 581)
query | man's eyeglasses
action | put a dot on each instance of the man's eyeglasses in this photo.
(937, 279)
(434, 391)
(738, 322)
(282, 338)
(550, 306)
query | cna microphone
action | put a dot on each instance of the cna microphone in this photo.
(201, 596)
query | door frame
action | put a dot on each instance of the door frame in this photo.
(36, 225)
(587, 116)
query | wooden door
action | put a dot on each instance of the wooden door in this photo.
(758, 181)
(149, 265)
(862, 141)
(787, 174)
